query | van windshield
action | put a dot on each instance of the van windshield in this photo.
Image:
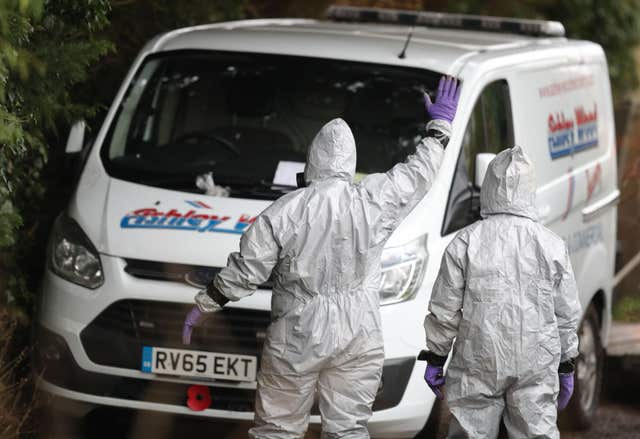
(239, 115)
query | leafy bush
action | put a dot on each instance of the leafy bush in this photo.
(49, 51)
(46, 48)
(627, 309)
(614, 24)
(49, 60)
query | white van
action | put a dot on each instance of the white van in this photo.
(243, 100)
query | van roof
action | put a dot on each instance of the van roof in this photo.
(437, 49)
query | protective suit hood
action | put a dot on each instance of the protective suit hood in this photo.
(509, 185)
(332, 153)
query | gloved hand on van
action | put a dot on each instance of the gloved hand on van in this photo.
(446, 104)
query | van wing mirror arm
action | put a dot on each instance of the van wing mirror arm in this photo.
(481, 165)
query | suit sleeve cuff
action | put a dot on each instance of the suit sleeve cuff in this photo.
(215, 294)
(439, 130)
(432, 358)
(568, 366)
(205, 303)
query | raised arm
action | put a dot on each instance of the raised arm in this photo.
(396, 192)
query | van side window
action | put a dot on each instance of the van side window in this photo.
(490, 129)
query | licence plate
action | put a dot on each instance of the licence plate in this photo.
(199, 364)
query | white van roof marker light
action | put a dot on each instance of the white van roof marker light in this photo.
(522, 26)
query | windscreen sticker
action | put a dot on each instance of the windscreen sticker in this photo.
(567, 135)
(151, 218)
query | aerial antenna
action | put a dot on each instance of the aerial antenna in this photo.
(403, 54)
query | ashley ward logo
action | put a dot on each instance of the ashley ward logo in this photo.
(567, 135)
(152, 218)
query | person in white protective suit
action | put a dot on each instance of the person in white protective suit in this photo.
(507, 294)
(323, 245)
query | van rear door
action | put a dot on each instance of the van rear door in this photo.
(563, 118)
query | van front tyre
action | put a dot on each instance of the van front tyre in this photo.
(588, 375)
(436, 426)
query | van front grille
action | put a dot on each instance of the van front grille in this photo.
(163, 270)
(167, 271)
(117, 335)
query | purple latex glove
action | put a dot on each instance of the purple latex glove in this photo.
(566, 390)
(193, 319)
(446, 100)
(434, 376)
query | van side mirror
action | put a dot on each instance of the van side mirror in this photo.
(76, 151)
(482, 164)
(75, 141)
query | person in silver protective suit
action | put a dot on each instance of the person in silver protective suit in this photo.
(322, 246)
(507, 294)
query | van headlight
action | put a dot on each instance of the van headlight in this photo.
(72, 256)
(403, 269)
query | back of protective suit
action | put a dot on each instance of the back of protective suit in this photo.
(506, 290)
(322, 245)
(324, 242)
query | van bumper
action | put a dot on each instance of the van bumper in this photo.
(400, 422)
(78, 384)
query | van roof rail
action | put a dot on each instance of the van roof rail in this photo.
(538, 28)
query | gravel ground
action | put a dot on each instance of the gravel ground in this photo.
(617, 417)
(620, 420)
(613, 420)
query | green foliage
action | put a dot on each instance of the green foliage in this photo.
(614, 24)
(62, 60)
(15, 29)
(46, 48)
(627, 309)
(15, 141)
(133, 23)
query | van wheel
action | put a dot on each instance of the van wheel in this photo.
(436, 426)
(588, 375)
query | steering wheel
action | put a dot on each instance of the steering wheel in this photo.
(195, 135)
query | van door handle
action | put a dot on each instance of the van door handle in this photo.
(598, 207)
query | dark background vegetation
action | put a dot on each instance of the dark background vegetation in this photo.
(63, 60)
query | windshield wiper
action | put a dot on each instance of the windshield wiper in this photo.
(254, 188)
(238, 185)
(250, 185)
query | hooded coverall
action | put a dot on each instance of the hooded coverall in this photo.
(323, 244)
(507, 291)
